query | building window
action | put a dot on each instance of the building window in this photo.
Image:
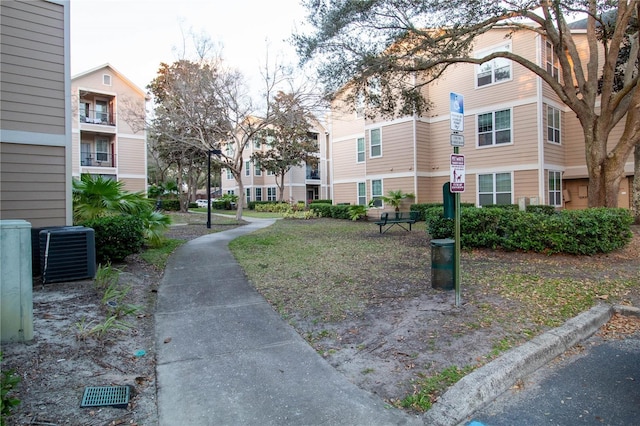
(555, 188)
(247, 168)
(495, 70)
(360, 148)
(248, 191)
(552, 61)
(102, 149)
(553, 124)
(258, 170)
(360, 105)
(257, 144)
(106, 79)
(258, 194)
(375, 142)
(376, 192)
(494, 188)
(362, 194)
(102, 112)
(231, 191)
(229, 174)
(271, 193)
(494, 128)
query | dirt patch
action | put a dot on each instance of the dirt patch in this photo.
(402, 335)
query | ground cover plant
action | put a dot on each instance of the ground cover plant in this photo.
(366, 303)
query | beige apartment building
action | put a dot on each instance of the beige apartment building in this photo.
(521, 144)
(109, 136)
(35, 112)
(301, 184)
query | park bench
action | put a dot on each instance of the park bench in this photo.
(387, 221)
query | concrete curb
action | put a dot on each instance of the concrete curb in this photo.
(487, 382)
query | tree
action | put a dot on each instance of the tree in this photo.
(395, 197)
(288, 139)
(390, 42)
(204, 106)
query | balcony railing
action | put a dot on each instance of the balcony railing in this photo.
(98, 117)
(98, 159)
(312, 174)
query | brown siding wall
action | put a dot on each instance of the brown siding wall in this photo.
(31, 182)
(32, 81)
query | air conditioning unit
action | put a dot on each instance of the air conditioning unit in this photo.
(35, 247)
(67, 254)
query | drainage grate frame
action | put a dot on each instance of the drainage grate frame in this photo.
(99, 396)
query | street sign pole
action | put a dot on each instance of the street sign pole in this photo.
(456, 111)
(456, 254)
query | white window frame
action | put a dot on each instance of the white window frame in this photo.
(272, 193)
(361, 150)
(495, 194)
(555, 194)
(257, 170)
(106, 79)
(551, 61)
(258, 192)
(492, 66)
(554, 120)
(377, 145)
(229, 174)
(494, 130)
(102, 149)
(361, 190)
(248, 191)
(377, 196)
(247, 168)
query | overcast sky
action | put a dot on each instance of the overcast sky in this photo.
(134, 36)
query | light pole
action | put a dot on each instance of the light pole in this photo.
(216, 152)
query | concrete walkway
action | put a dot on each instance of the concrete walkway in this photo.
(225, 357)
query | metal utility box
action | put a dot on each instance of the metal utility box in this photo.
(16, 283)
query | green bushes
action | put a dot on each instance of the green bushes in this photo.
(329, 210)
(116, 237)
(589, 231)
(172, 205)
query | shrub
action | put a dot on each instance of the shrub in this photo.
(322, 209)
(541, 209)
(116, 237)
(585, 232)
(171, 205)
(8, 381)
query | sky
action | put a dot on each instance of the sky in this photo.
(135, 36)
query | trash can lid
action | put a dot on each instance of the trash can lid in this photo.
(443, 242)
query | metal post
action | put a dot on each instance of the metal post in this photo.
(456, 251)
(209, 189)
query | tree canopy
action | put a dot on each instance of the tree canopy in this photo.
(394, 43)
(287, 140)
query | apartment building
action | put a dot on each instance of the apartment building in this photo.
(521, 143)
(302, 183)
(35, 112)
(109, 136)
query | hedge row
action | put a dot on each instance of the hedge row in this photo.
(585, 232)
(329, 210)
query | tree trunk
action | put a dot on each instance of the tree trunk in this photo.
(239, 204)
(636, 183)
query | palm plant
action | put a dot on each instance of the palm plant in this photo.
(395, 198)
(96, 196)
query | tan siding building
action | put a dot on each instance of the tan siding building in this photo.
(35, 112)
(109, 136)
(301, 183)
(521, 144)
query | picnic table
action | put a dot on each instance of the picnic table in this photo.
(388, 220)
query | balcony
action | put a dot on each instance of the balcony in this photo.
(97, 159)
(98, 117)
(312, 173)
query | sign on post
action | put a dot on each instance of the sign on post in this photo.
(456, 111)
(457, 173)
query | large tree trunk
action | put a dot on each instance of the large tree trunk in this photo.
(636, 183)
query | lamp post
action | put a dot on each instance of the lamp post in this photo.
(216, 152)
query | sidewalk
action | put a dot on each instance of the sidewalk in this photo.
(225, 357)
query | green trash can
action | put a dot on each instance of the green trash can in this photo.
(442, 264)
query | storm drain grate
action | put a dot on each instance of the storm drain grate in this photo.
(96, 396)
